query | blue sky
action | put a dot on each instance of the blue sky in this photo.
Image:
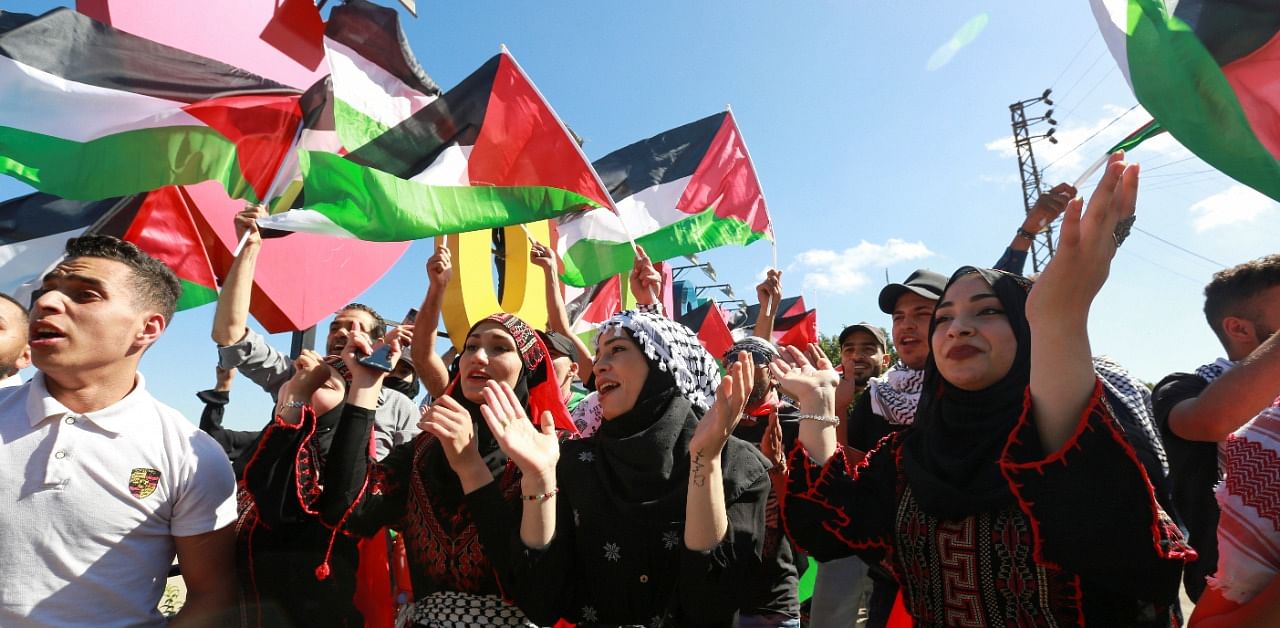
(880, 132)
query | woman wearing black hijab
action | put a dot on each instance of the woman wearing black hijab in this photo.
(1015, 499)
(656, 519)
(450, 492)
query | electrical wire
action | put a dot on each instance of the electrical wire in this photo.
(1086, 73)
(1130, 252)
(1073, 58)
(1090, 138)
(1089, 93)
(1179, 247)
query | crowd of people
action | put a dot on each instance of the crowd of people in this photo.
(997, 472)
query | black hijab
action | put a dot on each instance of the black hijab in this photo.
(642, 456)
(951, 455)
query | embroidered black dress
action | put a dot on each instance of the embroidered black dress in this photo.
(1081, 541)
(616, 560)
(281, 539)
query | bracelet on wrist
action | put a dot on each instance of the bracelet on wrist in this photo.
(1026, 235)
(830, 420)
(295, 404)
(541, 497)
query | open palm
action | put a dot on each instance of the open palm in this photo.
(535, 450)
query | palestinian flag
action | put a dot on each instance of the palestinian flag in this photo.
(488, 153)
(90, 112)
(707, 321)
(687, 190)
(377, 83)
(34, 230)
(1208, 71)
(793, 324)
(797, 331)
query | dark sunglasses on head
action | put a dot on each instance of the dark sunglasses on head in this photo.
(759, 358)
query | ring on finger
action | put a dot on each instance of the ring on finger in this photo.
(1121, 232)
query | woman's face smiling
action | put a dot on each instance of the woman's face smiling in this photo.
(620, 370)
(489, 353)
(973, 343)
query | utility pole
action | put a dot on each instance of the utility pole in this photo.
(1042, 245)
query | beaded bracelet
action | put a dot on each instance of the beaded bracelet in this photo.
(1026, 235)
(543, 497)
(830, 420)
(295, 404)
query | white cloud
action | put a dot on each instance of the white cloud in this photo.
(1066, 166)
(1236, 204)
(843, 272)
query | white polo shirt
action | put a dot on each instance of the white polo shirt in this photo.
(90, 503)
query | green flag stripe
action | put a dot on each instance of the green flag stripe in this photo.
(1148, 131)
(355, 128)
(374, 205)
(587, 262)
(195, 295)
(1183, 87)
(123, 163)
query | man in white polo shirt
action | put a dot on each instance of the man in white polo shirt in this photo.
(102, 483)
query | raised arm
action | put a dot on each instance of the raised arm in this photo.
(1048, 207)
(535, 450)
(1062, 374)
(543, 257)
(431, 369)
(645, 281)
(811, 380)
(769, 294)
(705, 518)
(1232, 399)
(231, 317)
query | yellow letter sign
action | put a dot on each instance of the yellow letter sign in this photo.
(471, 294)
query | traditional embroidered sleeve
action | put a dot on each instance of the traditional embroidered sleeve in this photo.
(283, 472)
(1092, 508)
(834, 510)
(711, 583)
(361, 495)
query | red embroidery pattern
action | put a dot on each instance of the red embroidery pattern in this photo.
(450, 555)
(1253, 475)
(958, 559)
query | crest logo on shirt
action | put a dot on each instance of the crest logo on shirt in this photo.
(143, 482)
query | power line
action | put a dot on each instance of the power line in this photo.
(1086, 73)
(1090, 92)
(1203, 178)
(1090, 138)
(1073, 58)
(1179, 247)
(1162, 266)
(1146, 176)
(1170, 164)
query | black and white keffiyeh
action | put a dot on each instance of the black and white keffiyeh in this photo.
(1134, 413)
(1214, 369)
(896, 394)
(675, 349)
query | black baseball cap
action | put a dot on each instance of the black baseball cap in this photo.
(559, 344)
(925, 283)
(875, 332)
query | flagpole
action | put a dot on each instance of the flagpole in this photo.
(1088, 172)
(289, 156)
